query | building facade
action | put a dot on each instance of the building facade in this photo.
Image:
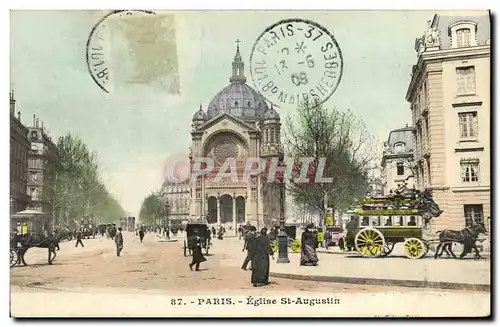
(238, 124)
(375, 183)
(177, 195)
(449, 95)
(41, 168)
(19, 148)
(397, 160)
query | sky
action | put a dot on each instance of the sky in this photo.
(136, 127)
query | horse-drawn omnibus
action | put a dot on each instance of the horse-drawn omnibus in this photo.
(382, 222)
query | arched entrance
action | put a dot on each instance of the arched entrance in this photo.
(240, 209)
(226, 208)
(212, 210)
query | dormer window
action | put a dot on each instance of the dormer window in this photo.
(463, 37)
(463, 34)
(399, 147)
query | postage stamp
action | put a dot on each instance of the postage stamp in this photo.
(295, 60)
(133, 47)
(240, 197)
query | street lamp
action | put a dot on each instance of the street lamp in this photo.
(167, 208)
(282, 235)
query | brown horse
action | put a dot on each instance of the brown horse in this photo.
(467, 237)
(35, 241)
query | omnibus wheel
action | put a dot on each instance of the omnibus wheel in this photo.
(369, 242)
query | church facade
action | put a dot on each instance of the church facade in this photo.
(239, 124)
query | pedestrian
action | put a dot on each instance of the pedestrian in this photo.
(261, 250)
(249, 239)
(79, 236)
(141, 234)
(119, 241)
(351, 232)
(240, 232)
(308, 256)
(194, 243)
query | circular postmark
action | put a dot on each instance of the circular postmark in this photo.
(295, 60)
(97, 58)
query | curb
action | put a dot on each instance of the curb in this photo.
(386, 282)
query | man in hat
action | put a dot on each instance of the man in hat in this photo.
(119, 241)
(249, 239)
(194, 243)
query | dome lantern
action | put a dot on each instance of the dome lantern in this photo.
(238, 75)
(271, 115)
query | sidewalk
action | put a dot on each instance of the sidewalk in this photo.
(395, 270)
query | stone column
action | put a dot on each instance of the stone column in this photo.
(234, 215)
(218, 211)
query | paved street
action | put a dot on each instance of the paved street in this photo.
(88, 281)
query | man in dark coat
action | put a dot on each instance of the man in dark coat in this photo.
(351, 232)
(79, 236)
(261, 250)
(194, 243)
(249, 239)
(308, 256)
(119, 242)
(141, 234)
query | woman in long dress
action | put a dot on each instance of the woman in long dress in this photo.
(308, 256)
(261, 250)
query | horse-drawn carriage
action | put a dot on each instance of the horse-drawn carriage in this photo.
(30, 228)
(382, 222)
(293, 242)
(200, 230)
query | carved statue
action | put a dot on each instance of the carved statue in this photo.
(431, 36)
(257, 125)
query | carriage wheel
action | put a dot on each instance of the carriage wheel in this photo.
(414, 248)
(369, 242)
(274, 247)
(14, 258)
(185, 249)
(387, 249)
(296, 245)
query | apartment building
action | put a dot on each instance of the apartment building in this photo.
(449, 96)
(397, 159)
(19, 147)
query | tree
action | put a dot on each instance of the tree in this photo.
(345, 143)
(151, 208)
(78, 191)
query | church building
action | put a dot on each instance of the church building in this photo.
(238, 123)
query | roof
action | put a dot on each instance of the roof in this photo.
(481, 18)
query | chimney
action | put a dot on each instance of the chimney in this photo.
(42, 125)
(406, 124)
(37, 122)
(34, 120)
(19, 116)
(12, 103)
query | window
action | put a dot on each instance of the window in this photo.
(466, 80)
(469, 170)
(463, 37)
(400, 168)
(399, 147)
(468, 124)
(473, 214)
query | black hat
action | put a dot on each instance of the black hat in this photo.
(119, 228)
(311, 225)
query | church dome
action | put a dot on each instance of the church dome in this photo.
(238, 99)
(271, 114)
(200, 115)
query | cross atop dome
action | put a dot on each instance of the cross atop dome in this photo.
(238, 75)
